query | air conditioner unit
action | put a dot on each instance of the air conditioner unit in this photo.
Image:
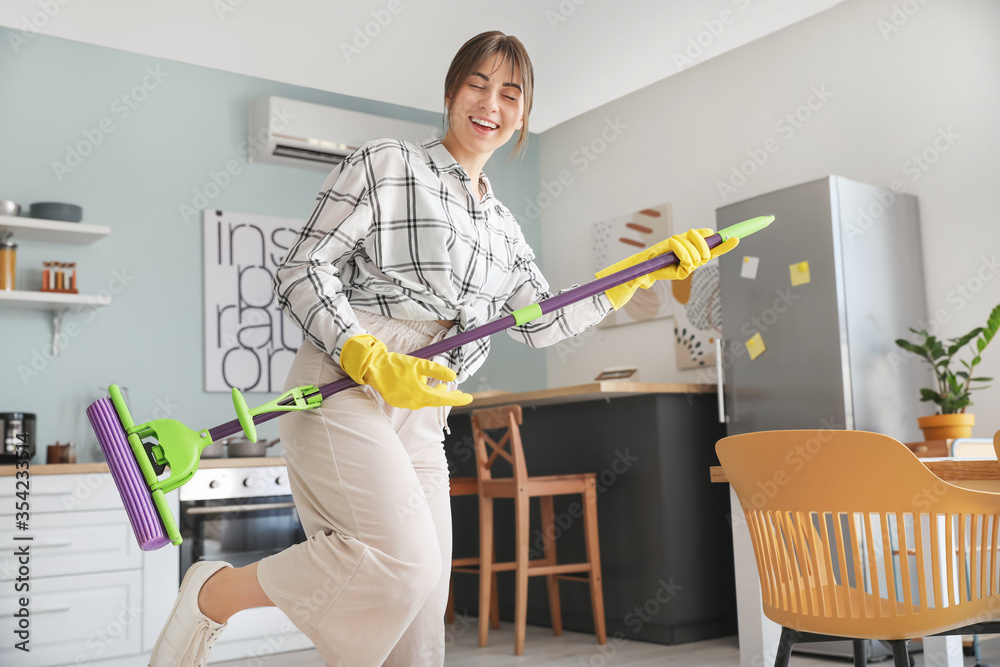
(313, 136)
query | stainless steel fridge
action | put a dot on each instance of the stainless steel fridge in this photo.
(811, 308)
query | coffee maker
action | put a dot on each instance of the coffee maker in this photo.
(17, 430)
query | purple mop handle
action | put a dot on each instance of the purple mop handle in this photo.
(547, 306)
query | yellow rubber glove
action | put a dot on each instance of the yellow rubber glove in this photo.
(691, 251)
(399, 378)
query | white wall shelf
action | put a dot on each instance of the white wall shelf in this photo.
(51, 300)
(56, 302)
(52, 231)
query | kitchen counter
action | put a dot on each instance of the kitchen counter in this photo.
(85, 468)
(581, 392)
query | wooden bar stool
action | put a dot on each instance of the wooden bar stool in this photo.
(469, 486)
(521, 488)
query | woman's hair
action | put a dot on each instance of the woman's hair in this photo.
(482, 48)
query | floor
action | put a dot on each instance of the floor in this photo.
(579, 650)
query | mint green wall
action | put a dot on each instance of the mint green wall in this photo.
(189, 125)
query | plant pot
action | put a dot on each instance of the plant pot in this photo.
(946, 427)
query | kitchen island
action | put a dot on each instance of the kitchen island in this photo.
(666, 547)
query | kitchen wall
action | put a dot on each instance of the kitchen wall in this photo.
(883, 92)
(157, 131)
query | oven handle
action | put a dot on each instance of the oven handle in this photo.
(235, 509)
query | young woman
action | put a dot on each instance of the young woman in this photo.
(406, 245)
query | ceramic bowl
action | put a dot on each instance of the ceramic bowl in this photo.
(53, 210)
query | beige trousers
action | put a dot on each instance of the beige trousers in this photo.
(370, 482)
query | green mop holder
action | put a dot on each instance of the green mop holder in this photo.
(179, 447)
(305, 397)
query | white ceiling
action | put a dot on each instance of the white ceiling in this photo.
(585, 53)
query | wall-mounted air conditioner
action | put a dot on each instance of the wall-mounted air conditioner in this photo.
(313, 136)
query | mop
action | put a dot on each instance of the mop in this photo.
(139, 454)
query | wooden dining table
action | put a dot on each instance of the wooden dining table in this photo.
(759, 635)
(981, 474)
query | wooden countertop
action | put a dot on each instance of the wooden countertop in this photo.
(581, 392)
(948, 469)
(85, 468)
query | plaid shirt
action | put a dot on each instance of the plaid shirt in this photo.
(397, 231)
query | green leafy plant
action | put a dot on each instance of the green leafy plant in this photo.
(954, 388)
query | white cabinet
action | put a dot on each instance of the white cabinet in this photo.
(75, 543)
(75, 620)
(85, 572)
(76, 522)
(95, 598)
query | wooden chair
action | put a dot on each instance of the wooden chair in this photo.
(520, 487)
(824, 511)
(469, 486)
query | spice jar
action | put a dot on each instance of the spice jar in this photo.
(8, 264)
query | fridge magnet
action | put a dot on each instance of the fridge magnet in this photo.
(748, 269)
(697, 317)
(800, 273)
(755, 346)
(249, 343)
(616, 239)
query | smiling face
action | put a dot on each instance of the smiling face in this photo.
(483, 114)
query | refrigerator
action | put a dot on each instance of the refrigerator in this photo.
(811, 307)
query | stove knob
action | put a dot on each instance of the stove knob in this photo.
(214, 484)
(253, 482)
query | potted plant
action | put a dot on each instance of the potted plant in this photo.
(953, 393)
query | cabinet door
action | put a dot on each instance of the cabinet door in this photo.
(62, 493)
(75, 620)
(73, 543)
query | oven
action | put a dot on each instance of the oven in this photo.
(240, 515)
(237, 515)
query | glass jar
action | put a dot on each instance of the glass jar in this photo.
(8, 264)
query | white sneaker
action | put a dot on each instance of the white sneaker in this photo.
(188, 635)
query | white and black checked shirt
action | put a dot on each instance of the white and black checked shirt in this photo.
(397, 231)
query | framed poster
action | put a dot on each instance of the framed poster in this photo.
(249, 343)
(697, 316)
(616, 239)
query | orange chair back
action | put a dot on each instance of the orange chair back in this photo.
(504, 443)
(855, 537)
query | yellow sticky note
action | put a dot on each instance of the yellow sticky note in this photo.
(800, 273)
(755, 346)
